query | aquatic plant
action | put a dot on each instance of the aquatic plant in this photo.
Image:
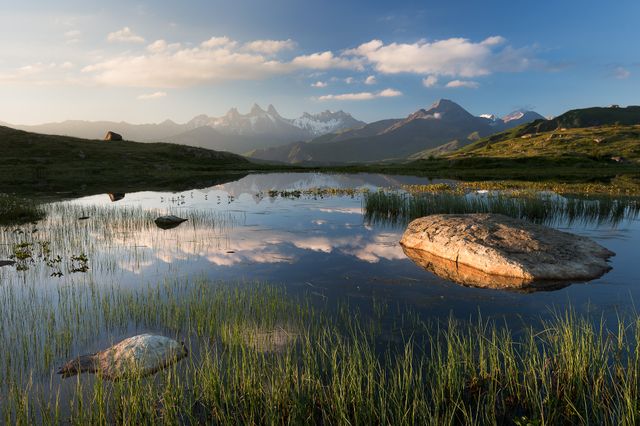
(395, 207)
(339, 368)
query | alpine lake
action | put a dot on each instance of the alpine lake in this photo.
(298, 305)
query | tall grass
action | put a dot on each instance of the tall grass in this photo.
(400, 208)
(333, 369)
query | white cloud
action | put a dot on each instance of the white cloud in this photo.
(150, 96)
(39, 73)
(430, 81)
(221, 42)
(72, 36)
(184, 67)
(72, 33)
(319, 84)
(361, 96)
(216, 59)
(621, 73)
(326, 60)
(450, 57)
(463, 83)
(269, 47)
(157, 46)
(163, 65)
(124, 35)
(389, 93)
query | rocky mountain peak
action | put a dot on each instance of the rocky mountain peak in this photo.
(255, 110)
(272, 110)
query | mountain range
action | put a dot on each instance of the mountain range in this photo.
(233, 132)
(443, 127)
(326, 137)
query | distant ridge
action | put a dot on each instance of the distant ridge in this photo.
(439, 129)
(234, 131)
(588, 117)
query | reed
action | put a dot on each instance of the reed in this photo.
(399, 208)
(335, 369)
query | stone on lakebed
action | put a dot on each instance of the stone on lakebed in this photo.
(169, 222)
(500, 247)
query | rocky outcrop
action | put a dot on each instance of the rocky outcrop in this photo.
(492, 250)
(112, 136)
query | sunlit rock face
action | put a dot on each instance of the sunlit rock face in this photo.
(496, 251)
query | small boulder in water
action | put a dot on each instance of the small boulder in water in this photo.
(140, 355)
(168, 222)
(7, 263)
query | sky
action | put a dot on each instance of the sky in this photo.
(147, 61)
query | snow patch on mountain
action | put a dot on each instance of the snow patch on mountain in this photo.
(326, 122)
(516, 115)
(261, 122)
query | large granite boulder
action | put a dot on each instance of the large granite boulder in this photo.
(492, 250)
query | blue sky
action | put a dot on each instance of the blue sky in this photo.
(148, 61)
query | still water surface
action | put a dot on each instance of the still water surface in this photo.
(319, 246)
(325, 246)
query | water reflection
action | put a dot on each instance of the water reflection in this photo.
(468, 276)
(325, 244)
(116, 196)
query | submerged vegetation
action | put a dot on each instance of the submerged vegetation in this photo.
(546, 208)
(260, 355)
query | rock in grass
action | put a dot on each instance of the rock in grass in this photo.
(112, 136)
(168, 222)
(499, 246)
(140, 355)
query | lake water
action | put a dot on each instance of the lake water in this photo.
(317, 244)
(324, 244)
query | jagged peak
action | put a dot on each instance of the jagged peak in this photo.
(233, 112)
(443, 103)
(272, 110)
(256, 109)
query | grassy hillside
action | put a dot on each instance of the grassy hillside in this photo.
(587, 117)
(598, 143)
(36, 163)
